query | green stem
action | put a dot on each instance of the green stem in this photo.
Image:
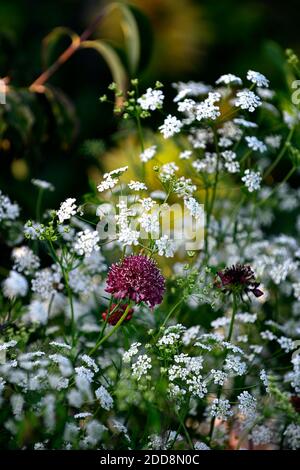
(280, 155)
(70, 298)
(219, 392)
(285, 179)
(117, 325)
(234, 310)
(171, 312)
(39, 204)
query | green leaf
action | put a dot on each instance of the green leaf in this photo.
(112, 59)
(51, 41)
(131, 37)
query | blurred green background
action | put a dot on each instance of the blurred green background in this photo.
(61, 135)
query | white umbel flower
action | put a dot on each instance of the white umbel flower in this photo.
(137, 186)
(104, 398)
(148, 154)
(246, 99)
(15, 285)
(25, 260)
(229, 79)
(247, 404)
(165, 246)
(252, 180)
(171, 126)
(42, 184)
(221, 409)
(67, 209)
(151, 100)
(257, 78)
(255, 144)
(87, 242)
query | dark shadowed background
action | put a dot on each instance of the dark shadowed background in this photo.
(61, 137)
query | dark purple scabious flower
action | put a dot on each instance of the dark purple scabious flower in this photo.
(137, 278)
(238, 279)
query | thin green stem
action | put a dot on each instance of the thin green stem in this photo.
(39, 204)
(280, 155)
(285, 179)
(230, 331)
(171, 312)
(117, 325)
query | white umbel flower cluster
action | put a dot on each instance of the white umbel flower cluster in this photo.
(87, 242)
(171, 126)
(15, 285)
(67, 209)
(252, 180)
(151, 100)
(148, 154)
(257, 78)
(248, 100)
(8, 210)
(25, 260)
(220, 408)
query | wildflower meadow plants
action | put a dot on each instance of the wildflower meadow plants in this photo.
(162, 309)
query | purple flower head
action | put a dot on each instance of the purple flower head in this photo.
(137, 278)
(238, 279)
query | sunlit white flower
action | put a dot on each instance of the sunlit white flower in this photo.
(229, 79)
(137, 186)
(170, 127)
(152, 99)
(67, 209)
(246, 99)
(148, 154)
(87, 242)
(258, 78)
(165, 246)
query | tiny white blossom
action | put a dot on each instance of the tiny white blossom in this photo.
(42, 184)
(15, 285)
(141, 366)
(221, 409)
(247, 404)
(195, 209)
(104, 398)
(152, 99)
(67, 209)
(24, 259)
(171, 126)
(8, 210)
(252, 180)
(185, 154)
(132, 351)
(258, 78)
(87, 242)
(255, 144)
(148, 154)
(165, 246)
(229, 79)
(137, 185)
(246, 99)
